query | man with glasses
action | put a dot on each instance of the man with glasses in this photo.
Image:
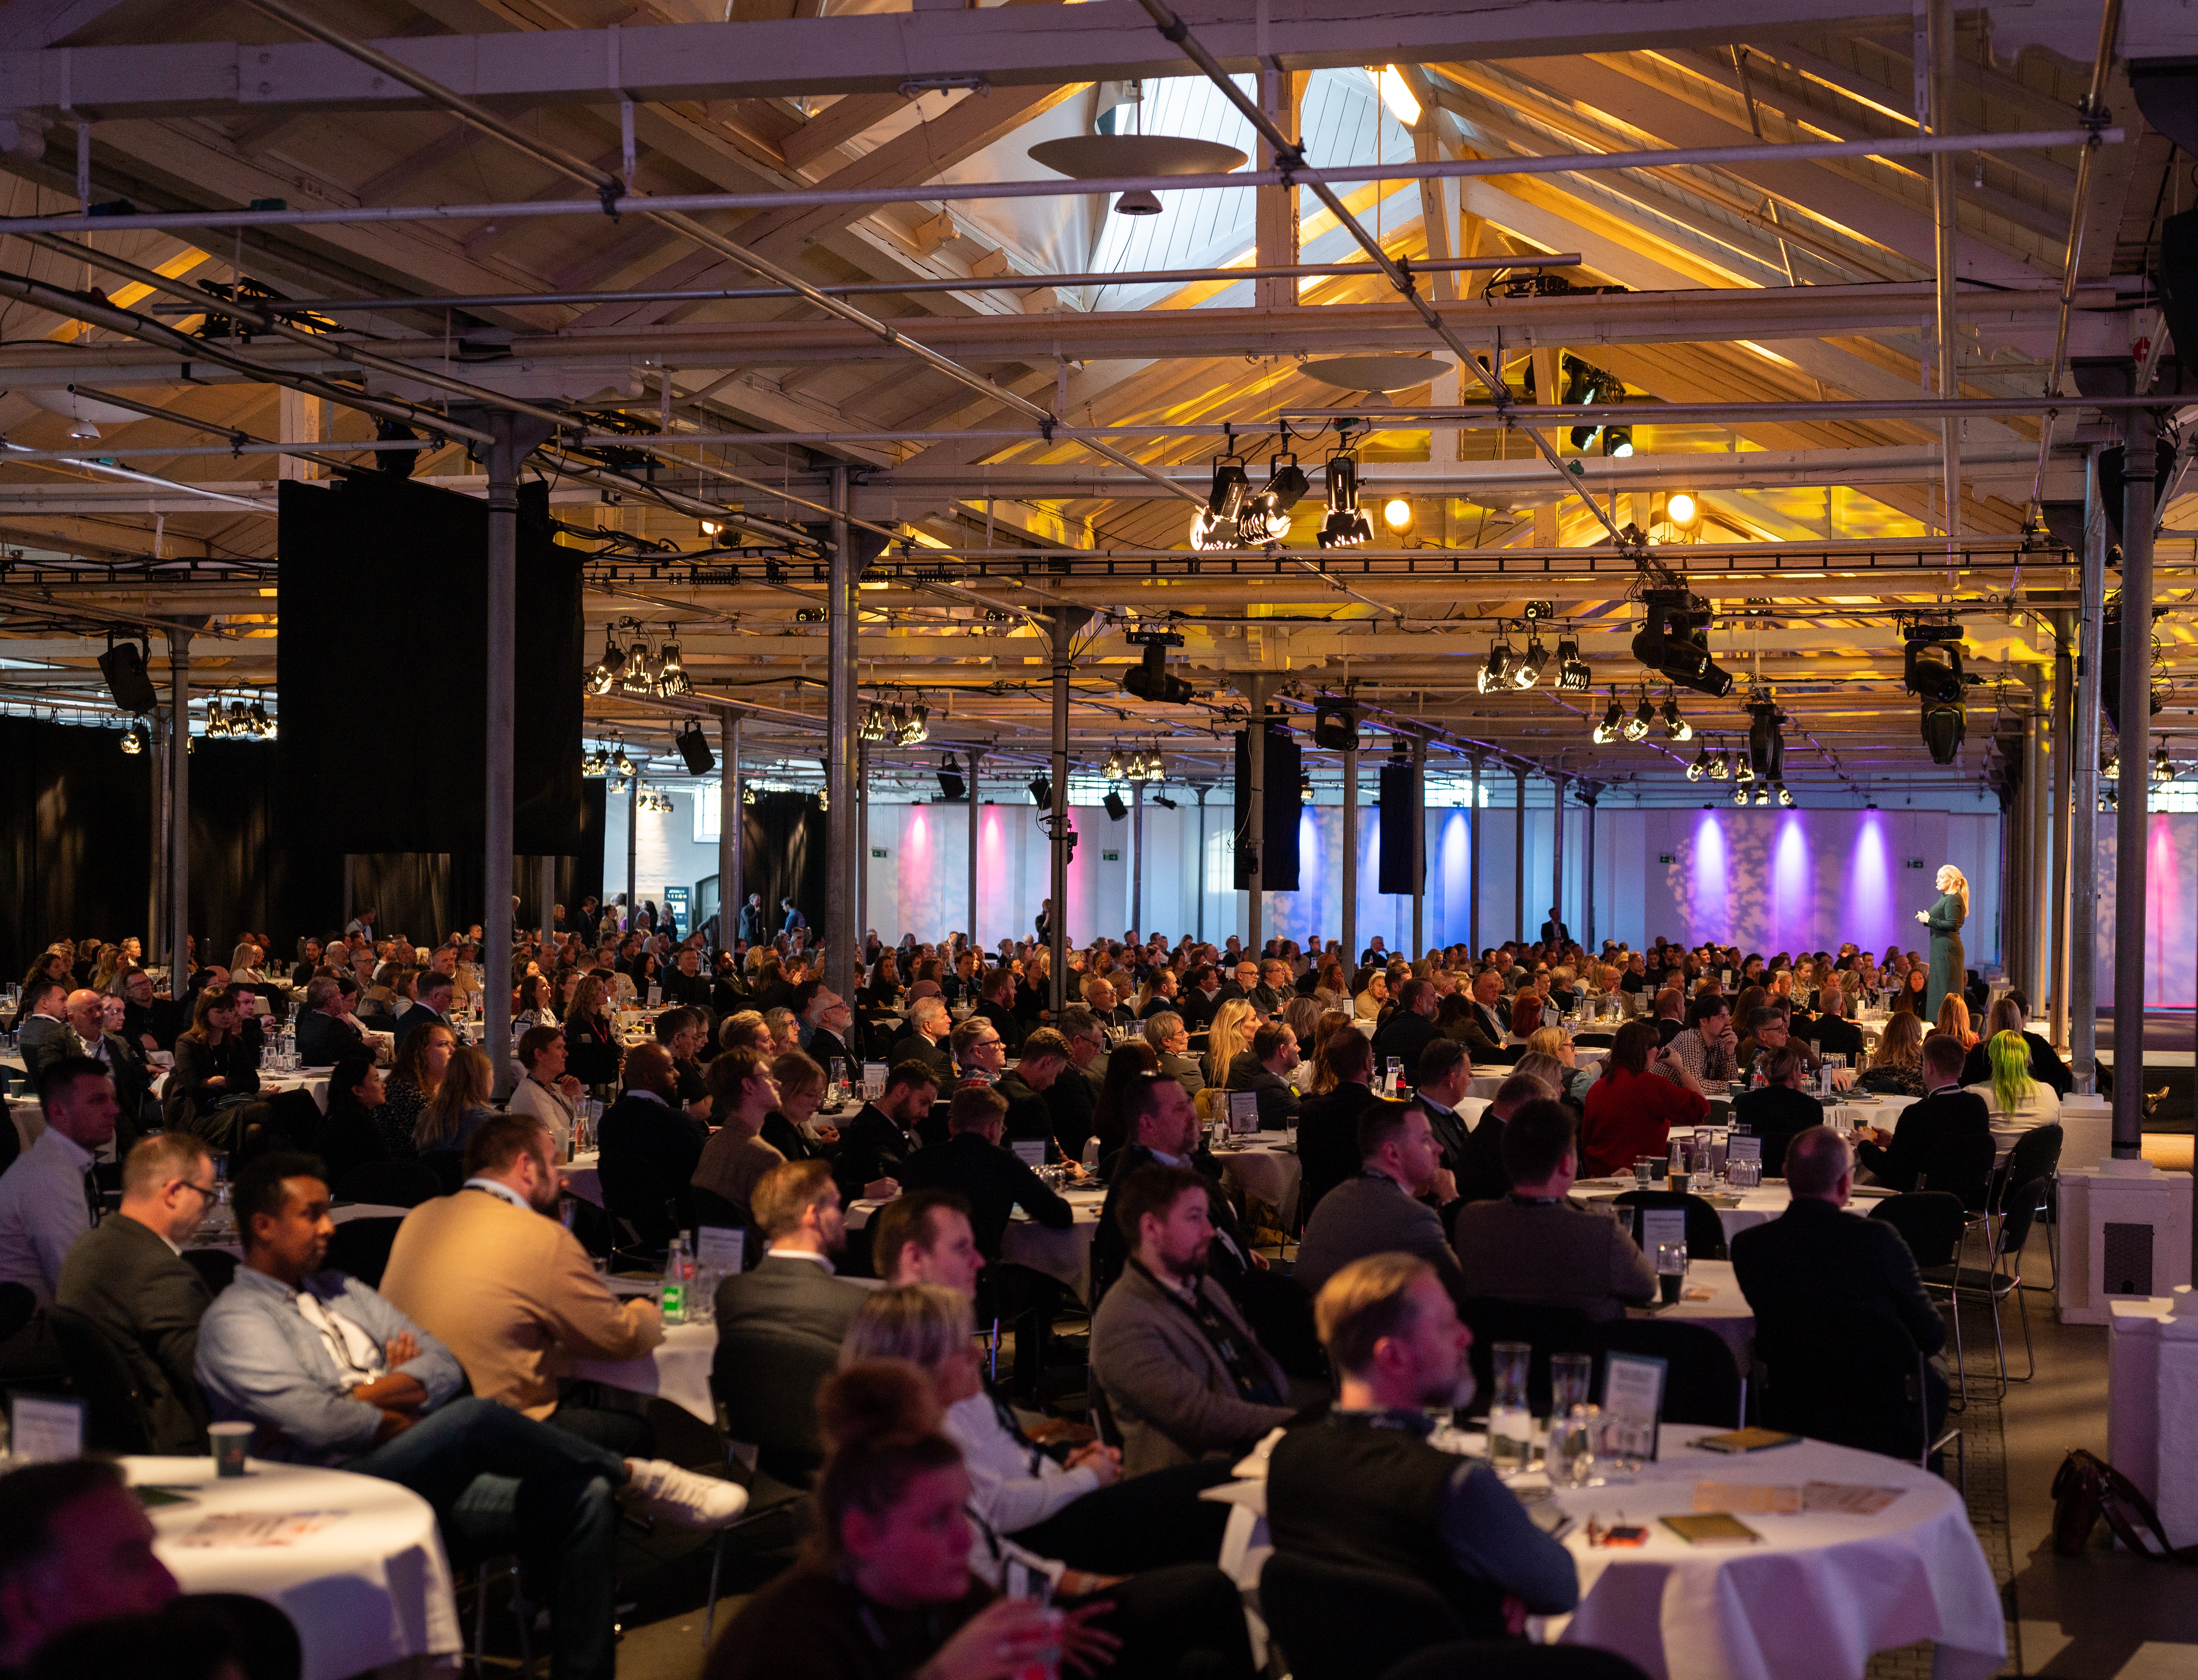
(128, 1276)
(1074, 1097)
(980, 1055)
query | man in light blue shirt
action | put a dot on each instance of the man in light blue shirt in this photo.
(332, 1373)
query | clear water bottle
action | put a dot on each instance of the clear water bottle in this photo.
(678, 1276)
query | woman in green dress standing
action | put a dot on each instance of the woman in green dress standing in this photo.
(1949, 970)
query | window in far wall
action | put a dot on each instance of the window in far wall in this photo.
(706, 813)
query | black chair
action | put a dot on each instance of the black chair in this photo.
(361, 1248)
(447, 1167)
(1935, 1223)
(298, 1119)
(387, 1185)
(2002, 1280)
(1335, 1623)
(116, 1418)
(1702, 1383)
(217, 1267)
(1853, 1377)
(17, 1305)
(1705, 1230)
(1507, 1659)
(2035, 1160)
(1546, 1329)
(642, 1195)
(765, 1380)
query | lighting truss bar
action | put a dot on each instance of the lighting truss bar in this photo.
(615, 204)
(1014, 283)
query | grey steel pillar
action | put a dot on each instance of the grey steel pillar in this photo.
(1350, 831)
(2056, 966)
(1557, 845)
(496, 837)
(2083, 799)
(974, 805)
(1419, 846)
(1065, 622)
(179, 808)
(351, 886)
(730, 897)
(157, 763)
(1519, 855)
(1138, 858)
(842, 930)
(2035, 840)
(1473, 845)
(633, 842)
(2130, 882)
(1200, 895)
(548, 879)
(1587, 878)
(862, 844)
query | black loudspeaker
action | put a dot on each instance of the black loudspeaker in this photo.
(1115, 808)
(1402, 816)
(123, 666)
(1335, 726)
(695, 750)
(2178, 276)
(1276, 865)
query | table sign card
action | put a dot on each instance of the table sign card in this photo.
(719, 1248)
(1030, 1151)
(873, 1080)
(1662, 1225)
(46, 1429)
(1741, 1147)
(1244, 1111)
(1632, 1404)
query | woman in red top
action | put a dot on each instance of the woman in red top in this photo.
(1631, 1108)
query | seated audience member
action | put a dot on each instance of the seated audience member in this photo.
(1778, 1111)
(1263, 1066)
(792, 1287)
(1533, 1246)
(1896, 1067)
(413, 1083)
(213, 1089)
(591, 1040)
(1482, 1177)
(975, 1164)
(929, 1025)
(890, 1585)
(148, 1021)
(996, 1003)
(2016, 1101)
(1364, 1488)
(458, 1107)
(746, 1027)
(1328, 1123)
(792, 1127)
(124, 1066)
(1943, 1141)
(42, 1033)
(1440, 1078)
(1671, 1014)
(649, 1149)
(1631, 1111)
(1816, 1258)
(683, 1033)
(1392, 1206)
(925, 1236)
(2009, 1014)
(493, 1275)
(978, 1052)
(1830, 1031)
(1709, 1048)
(1023, 1087)
(352, 1135)
(431, 1006)
(1184, 1375)
(1484, 1029)
(324, 1032)
(875, 1145)
(687, 984)
(1078, 1510)
(125, 1276)
(1171, 1041)
(743, 1095)
(828, 1027)
(330, 1373)
(1769, 1029)
(548, 1092)
(1072, 1099)
(1411, 1027)
(49, 1197)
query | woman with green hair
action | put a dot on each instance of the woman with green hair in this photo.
(2017, 1103)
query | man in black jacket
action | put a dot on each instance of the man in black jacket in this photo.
(875, 1145)
(928, 1027)
(1440, 1077)
(1482, 1032)
(110, 1050)
(829, 1023)
(127, 1277)
(1483, 1177)
(1781, 1111)
(1816, 1258)
(1830, 1030)
(1024, 1089)
(1411, 1027)
(1263, 1068)
(1943, 1141)
(996, 1003)
(324, 1037)
(974, 1163)
(1072, 1099)
(650, 1147)
(687, 984)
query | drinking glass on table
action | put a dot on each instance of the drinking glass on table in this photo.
(1571, 1454)
(1510, 1425)
(1671, 1270)
(1571, 1375)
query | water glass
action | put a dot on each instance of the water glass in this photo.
(1644, 1168)
(1671, 1269)
(1678, 1164)
(1571, 1455)
(1571, 1376)
(1510, 1425)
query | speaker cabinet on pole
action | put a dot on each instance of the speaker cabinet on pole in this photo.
(1280, 806)
(1402, 815)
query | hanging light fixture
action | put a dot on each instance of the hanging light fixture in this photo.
(1614, 720)
(1722, 770)
(217, 722)
(671, 678)
(1216, 525)
(619, 762)
(596, 764)
(1636, 726)
(638, 679)
(1739, 794)
(1702, 766)
(1347, 526)
(1496, 670)
(1112, 769)
(2163, 767)
(823, 798)
(1763, 792)
(1573, 677)
(609, 668)
(1785, 797)
(2111, 765)
(1528, 671)
(1305, 789)
(1266, 516)
(748, 793)
(262, 724)
(133, 739)
(1676, 728)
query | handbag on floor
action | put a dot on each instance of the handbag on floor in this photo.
(2086, 1488)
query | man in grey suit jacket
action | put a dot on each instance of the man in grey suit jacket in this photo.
(43, 1034)
(1381, 1212)
(1534, 1246)
(1182, 1375)
(125, 1276)
(793, 1287)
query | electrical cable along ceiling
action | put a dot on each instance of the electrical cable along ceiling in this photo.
(1579, 404)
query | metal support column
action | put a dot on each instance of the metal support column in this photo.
(2083, 799)
(1557, 846)
(730, 897)
(1065, 622)
(1350, 852)
(1588, 798)
(861, 846)
(157, 765)
(1419, 846)
(633, 842)
(546, 879)
(1935, 75)
(179, 811)
(842, 933)
(1519, 855)
(497, 917)
(1473, 845)
(1137, 858)
(2130, 883)
(349, 887)
(2035, 840)
(2064, 703)
(1198, 873)
(974, 805)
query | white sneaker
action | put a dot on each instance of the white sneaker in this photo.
(683, 1497)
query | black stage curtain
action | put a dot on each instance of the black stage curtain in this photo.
(782, 856)
(75, 852)
(1285, 765)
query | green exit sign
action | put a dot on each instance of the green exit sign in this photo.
(1665, 858)
(879, 851)
(1913, 864)
(1110, 857)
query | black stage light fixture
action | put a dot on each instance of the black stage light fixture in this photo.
(1932, 670)
(1636, 728)
(1613, 722)
(1766, 743)
(695, 747)
(1115, 808)
(1215, 524)
(1041, 792)
(1618, 440)
(1676, 728)
(952, 787)
(1149, 680)
(1164, 802)
(123, 666)
(1347, 526)
(1496, 672)
(1335, 725)
(1531, 664)
(1573, 677)
(1675, 642)
(1266, 516)
(397, 462)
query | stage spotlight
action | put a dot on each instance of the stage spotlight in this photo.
(1573, 675)
(1618, 441)
(1149, 679)
(1347, 526)
(1215, 524)
(1335, 725)
(1766, 742)
(1531, 664)
(609, 668)
(1932, 670)
(2111, 765)
(1674, 642)
(1684, 508)
(1739, 794)
(1304, 790)
(1676, 728)
(1636, 726)
(1721, 768)
(1115, 807)
(1266, 516)
(1614, 720)
(1763, 792)
(1496, 669)
(1112, 769)
(672, 679)
(1701, 766)
(1785, 797)
(1397, 514)
(1041, 792)
(133, 739)
(619, 762)
(1164, 802)
(2163, 768)
(748, 794)
(595, 764)
(1742, 771)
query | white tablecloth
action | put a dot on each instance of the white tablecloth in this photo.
(1766, 1202)
(677, 1370)
(372, 1587)
(1270, 1171)
(1726, 1312)
(583, 1178)
(312, 1079)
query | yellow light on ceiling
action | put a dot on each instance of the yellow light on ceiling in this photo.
(1397, 514)
(1397, 95)
(1683, 510)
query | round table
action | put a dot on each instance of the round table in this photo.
(312, 1080)
(1063, 1255)
(1270, 1171)
(368, 1585)
(582, 1177)
(1736, 1210)
(677, 1370)
(1711, 1297)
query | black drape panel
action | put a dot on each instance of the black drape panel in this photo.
(239, 879)
(1278, 862)
(75, 847)
(783, 855)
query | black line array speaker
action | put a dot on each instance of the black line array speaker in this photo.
(1276, 866)
(1402, 816)
(382, 670)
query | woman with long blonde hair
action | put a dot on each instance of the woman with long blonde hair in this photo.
(1954, 1019)
(1233, 1024)
(1948, 962)
(459, 1104)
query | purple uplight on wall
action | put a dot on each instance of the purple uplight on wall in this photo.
(1871, 917)
(1792, 889)
(1709, 907)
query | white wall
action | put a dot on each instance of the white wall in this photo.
(666, 856)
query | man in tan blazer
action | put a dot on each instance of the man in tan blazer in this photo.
(492, 1274)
